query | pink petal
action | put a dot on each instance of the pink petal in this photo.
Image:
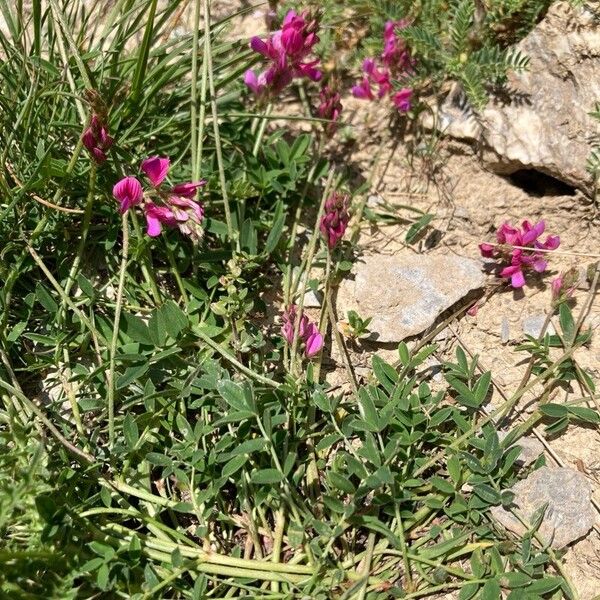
(259, 46)
(128, 192)
(487, 250)
(88, 139)
(156, 169)
(517, 280)
(188, 190)
(153, 225)
(314, 342)
(552, 242)
(539, 264)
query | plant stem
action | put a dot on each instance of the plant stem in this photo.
(115, 333)
(235, 241)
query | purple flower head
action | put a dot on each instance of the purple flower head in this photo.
(335, 219)
(309, 336)
(96, 139)
(286, 51)
(520, 248)
(363, 90)
(563, 286)
(171, 207)
(330, 107)
(394, 63)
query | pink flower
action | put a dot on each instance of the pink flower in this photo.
(523, 257)
(286, 50)
(96, 139)
(172, 207)
(402, 99)
(156, 169)
(128, 191)
(363, 90)
(309, 336)
(335, 220)
(395, 63)
(329, 108)
(563, 286)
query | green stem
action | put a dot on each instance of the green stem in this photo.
(115, 333)
(235, 241)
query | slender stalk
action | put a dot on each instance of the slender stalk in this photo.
(115, 333)
(308, 262)
(194, 94)
(277, 542)
(85, 227)
(235, 241)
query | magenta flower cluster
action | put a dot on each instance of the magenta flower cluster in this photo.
(526, 255)
(330, 107)
(96, 139)
(171, 207)
(287, 50)
(310, 337)
(335, 219)
(395, 62)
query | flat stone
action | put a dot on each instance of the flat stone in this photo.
(405, 294)
(313, 299)
(542, 122)
(569, 514)
(533, 326)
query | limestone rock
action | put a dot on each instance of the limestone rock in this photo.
(405, 294)
(533, 324)
(569, 515)
(542, 122)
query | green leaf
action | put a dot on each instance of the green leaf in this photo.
(585, 414)
(386, 374)
(465, 395)
(514, 579)
(442, 485)
(416, 228)
(491, 590)
(157, 328)
(266, 476)
(174, 318)
(136, 329)
(567, 323)
(368, 411)
(276, 229)
(130, 431)
(131, 373)
(233, 394)
(234, 465)
(404, 354)
(45, 299)
(544, 586)
(554, 410)
(468, 591)
(340, 482)
(454, 468)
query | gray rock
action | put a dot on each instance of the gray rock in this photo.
(405, 294)
(544, 123)
(533, 326)
(313, 299)
(569, 515)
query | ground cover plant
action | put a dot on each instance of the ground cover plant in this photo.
(166, 429)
